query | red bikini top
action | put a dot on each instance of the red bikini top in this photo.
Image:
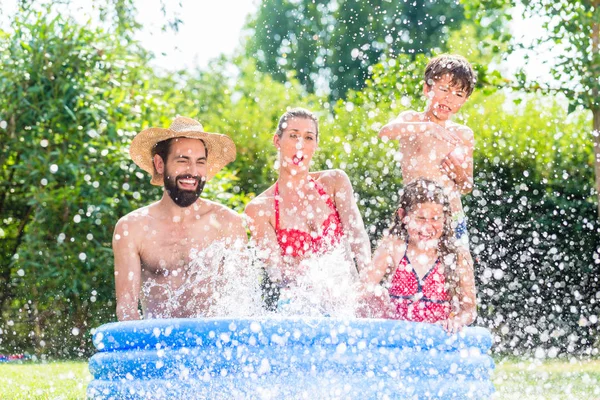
(297, 243)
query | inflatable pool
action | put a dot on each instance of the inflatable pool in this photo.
(288, 358)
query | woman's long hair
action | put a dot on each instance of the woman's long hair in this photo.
(426, 191)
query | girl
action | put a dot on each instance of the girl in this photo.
(428, 278)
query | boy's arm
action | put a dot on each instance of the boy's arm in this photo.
(410, 123)
(458, 165)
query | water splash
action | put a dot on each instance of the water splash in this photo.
(326, 285)
(220, 280)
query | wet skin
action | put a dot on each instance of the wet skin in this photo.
(432, 146)
(301, 207)
(152, 244)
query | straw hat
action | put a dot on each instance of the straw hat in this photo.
(221, 149)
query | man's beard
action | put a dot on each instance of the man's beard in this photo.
(183, 198)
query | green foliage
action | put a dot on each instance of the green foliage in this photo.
(574, 28)
(72, 97)
(340, 41)
(533, 227)
(66, 94)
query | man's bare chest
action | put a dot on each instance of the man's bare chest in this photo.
(167, 248)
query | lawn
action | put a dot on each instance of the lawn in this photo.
(513, 378)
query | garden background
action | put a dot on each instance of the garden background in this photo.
(73, 95)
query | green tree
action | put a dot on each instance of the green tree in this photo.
(336, 43)
(68, 96)
(573, 26)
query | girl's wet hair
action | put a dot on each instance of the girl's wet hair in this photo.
(301, 113)
(461, 71)
(425, 191)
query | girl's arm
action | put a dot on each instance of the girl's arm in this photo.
(383, 263)
(375, 300)
(467, 311)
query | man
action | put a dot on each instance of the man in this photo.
(152, 245)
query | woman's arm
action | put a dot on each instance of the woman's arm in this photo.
(352, 222)
(263, 235)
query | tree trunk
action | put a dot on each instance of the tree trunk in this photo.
(596, 102)
(596, 136)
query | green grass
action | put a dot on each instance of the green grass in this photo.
(550, 379)
(64, 380)
(513, 379)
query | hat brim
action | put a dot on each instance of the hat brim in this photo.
(221, 150)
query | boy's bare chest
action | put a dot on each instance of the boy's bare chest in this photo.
(424, 149)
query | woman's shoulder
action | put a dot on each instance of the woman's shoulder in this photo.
(261, 202)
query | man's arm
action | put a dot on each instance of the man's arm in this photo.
(127, 271)
(351, 219)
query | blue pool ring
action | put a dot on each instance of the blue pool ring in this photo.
(288, 358)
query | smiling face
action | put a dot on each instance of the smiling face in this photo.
(425, 224)
(443, 98)
(185, 170)
(297, 143)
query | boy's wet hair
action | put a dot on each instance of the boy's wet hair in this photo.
(461, 71)
(300, 113)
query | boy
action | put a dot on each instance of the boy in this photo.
(432, 146)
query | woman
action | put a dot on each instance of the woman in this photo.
(305, 215)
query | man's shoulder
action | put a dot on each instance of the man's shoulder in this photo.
(133, 224)
(138, 215)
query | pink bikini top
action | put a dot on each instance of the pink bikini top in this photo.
(422, 300)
